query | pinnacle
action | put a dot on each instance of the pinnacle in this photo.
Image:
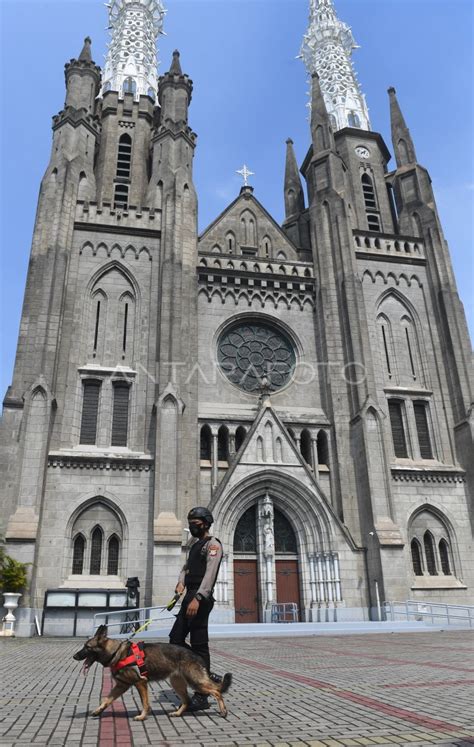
(175, 68)
(391, 91)
(289, 141)
(86, 50)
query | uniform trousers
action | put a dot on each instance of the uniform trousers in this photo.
(196, 627)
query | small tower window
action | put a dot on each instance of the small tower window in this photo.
(129, 86)
(90, 411)
(373, 222)
(151, 93)
(121, 196)
(120, 414)
(422, 428)
(305, 446)
(369, 193)
(333, 122)
(398, 429)
(353, 119)
(240, 435)
(223, 444)
(124, 158)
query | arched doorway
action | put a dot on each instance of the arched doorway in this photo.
(266, 566)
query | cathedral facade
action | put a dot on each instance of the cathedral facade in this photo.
(309, 382)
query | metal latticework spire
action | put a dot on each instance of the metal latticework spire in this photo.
(131, 64)
(327, 49)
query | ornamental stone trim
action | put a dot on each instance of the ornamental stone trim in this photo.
(127, 464)
(430, 477)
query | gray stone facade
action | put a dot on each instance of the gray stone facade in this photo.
(125, 296)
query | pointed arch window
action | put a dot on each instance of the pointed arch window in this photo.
(353, 119)
(416, 557)
(206, 443)
(223, 444)
(78, 554)
(444, 557)
(90, 411)
(369, 193)
(322, 448)
(96, 551)
(113, 556)
(430, 554)
(129, 85)
(240, 435)
(305, 447)
(285, 538)
(245, 537)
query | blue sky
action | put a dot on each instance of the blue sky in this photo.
(249, 96)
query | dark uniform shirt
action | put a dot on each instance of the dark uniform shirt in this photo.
(204, 568)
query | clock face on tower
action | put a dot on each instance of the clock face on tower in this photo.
(362, 152)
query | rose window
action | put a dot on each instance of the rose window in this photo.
(249, 353)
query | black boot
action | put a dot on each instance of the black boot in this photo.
(198, 703)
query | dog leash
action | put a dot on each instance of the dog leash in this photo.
(145, 625)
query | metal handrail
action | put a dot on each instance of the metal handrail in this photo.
(132, 619)
(421, 610)
(284, 612)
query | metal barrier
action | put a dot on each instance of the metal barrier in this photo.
(432, 612)
(125, 622)
(284, 612)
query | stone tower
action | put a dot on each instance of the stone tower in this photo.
(309, 382)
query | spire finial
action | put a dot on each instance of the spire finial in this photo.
(131, 64)
(175, 68)
(86, 55)
(327, 49)
(402, 141)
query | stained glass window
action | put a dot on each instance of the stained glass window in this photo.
(285, 540)
(245, 537)
(249, 352)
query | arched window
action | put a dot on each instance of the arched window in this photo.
(121, 196)
(285, 539)
(386, 343)
(206, 443)
(333, 122)
(129, 86)
(151, 93)
(120, 413)
(96, 325)
(353, 119)
(113, 556)
(416, 557)
(430, 554)
(323, 448)
(245, 537)
(124, 158)
(444, 557)
(230, 243)
(223, 444)
(96, 551)
(305, 445)
(240, 435)
(417, 227)
(78, 554)
(90, 411)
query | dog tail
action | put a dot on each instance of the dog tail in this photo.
(226, 682)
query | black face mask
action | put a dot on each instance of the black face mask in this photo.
(197, 531)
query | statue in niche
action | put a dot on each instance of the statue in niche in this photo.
(267, 528)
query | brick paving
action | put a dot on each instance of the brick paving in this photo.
(319, 691)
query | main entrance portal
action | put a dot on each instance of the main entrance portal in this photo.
(266, 566)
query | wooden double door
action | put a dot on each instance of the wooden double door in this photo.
(246, 587)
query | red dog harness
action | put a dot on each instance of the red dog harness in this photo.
(137, 658)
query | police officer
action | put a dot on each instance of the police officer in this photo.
(198, 577)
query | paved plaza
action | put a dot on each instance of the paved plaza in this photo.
(315, 691)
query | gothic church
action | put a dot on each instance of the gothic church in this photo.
(309, 381)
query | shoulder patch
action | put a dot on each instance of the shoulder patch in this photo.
(213, 550)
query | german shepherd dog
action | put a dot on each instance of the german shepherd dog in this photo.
(162, 661)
